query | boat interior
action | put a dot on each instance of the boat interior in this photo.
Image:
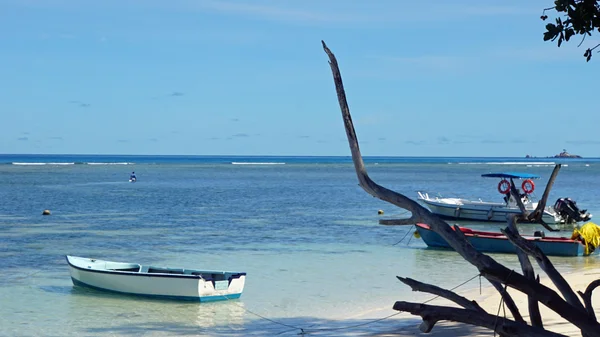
(461, 201)
(137, 268)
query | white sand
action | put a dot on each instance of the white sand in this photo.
(489, 299)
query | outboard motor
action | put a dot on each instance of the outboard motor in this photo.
(569, 211)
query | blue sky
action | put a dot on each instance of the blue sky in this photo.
(206, 77)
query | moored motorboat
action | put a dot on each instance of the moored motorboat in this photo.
(161, 282)
(564, 211)
(583, 242)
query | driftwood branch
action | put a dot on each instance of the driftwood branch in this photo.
(398, 222)
(488, 267)
(537, 214)
(508, 300)
(527, 268)
(587, 297)
(435, 290)
(531, 249)
(515, 194)
(363, 179)
(431, 314)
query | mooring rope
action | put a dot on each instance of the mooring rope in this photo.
(25, 276)
(305, 331)
(404, 237)
(501, 304)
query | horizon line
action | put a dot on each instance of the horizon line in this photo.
(272, 155)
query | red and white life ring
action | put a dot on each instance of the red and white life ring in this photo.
(528, 186)
(504, 186)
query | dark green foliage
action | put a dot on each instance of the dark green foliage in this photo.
(581, 17)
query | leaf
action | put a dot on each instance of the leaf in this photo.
(568, 33)
(560, 40)
(588, 55)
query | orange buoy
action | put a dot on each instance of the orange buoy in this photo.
(504, 186)
(528, 186)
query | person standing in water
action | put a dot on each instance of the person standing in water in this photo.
(132, 177)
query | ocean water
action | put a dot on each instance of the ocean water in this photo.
(306, 234)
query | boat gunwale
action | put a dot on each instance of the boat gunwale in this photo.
(145, 274)
(479, 234)
(209, 298)
(465, 203)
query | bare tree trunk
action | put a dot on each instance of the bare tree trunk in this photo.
(487, 266)
(587, 297)
(428, 288)
(534, 308)
(431, 314)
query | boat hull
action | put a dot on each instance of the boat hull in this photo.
(500, 244)
(159, 285)
(484, 212)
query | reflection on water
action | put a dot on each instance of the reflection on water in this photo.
(100, 312)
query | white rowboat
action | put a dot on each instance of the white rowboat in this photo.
(161, 282)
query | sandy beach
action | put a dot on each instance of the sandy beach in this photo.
(489, 299)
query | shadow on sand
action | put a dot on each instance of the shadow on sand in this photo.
(393, 327)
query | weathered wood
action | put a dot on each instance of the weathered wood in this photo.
(527, 268)
(487, 266)
(441, 292)
(396, 222)
(515, 194)
(525, 216)
(587, 297)
(364, 181)
(531, 249)
(508, 300)
(431, 314)
(537, 214)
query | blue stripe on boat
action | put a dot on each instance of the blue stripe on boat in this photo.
(179, 298)
(501, 244)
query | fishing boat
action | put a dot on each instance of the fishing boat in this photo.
(583, 242)
(564, 211)
(161, 282)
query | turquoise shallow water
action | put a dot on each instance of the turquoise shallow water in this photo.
(301, 228)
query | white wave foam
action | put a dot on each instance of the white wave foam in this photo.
(109, 163)
(28, 164)
(544, 163)
(40, 164)
(250, 163)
